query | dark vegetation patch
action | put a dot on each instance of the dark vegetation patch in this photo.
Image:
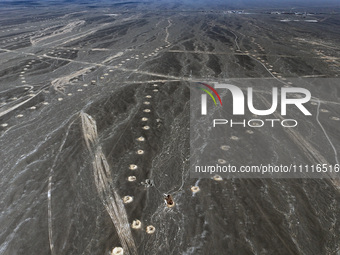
(189, 45)
(213, 64)
(245, 61)
(204, 27)
(299, 67)
(19, 45)
(33, 102)
(13, 70)
(195, 68)
(151, 39)
(220, 30)
(110, 33)
(99, 20)
(218, 37)
(197, 57)
(170, 64)
(210, 47)
(107, 44)
(186, 36)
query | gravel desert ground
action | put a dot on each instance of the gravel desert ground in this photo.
(96, 127)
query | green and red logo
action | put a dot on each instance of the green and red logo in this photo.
(204, 96)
